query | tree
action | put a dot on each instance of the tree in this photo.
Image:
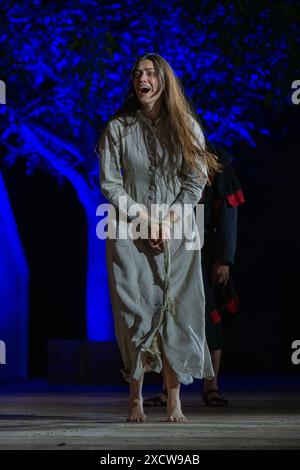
(66, 69)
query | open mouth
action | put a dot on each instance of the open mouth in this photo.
(144, 90)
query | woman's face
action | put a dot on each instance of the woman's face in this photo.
(145, 83)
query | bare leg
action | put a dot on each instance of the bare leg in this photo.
(164, 385)
(136, 411)
(175, 414)
(216, 361)
(161, 398)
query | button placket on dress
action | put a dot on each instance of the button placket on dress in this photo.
(153, 163)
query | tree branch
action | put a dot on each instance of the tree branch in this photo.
(30, 134)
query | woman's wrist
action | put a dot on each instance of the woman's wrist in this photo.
(170, 218)
(165, 222)
(144, 216)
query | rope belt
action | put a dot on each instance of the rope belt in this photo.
(168, 304)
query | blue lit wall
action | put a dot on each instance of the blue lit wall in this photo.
(66, 68)
(13, 293)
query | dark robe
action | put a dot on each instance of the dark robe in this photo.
(221, 200)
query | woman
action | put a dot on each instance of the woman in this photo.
(153, 151)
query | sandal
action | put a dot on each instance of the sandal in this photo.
(211, 400)
(158, 400)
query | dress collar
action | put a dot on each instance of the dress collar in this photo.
(148, 121)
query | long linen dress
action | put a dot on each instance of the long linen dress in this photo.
(157, 299)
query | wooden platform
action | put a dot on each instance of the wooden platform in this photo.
(96, 420)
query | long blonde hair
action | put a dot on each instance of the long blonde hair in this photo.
(178, 112)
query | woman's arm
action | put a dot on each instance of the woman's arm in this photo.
(111, 179)
(192, 184)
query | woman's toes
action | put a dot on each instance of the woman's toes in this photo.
(175, 414)
(177, 419)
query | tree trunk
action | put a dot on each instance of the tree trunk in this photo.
(99, 316)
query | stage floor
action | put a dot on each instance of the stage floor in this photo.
(45, 417)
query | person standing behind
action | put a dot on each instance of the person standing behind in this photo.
(221, 199)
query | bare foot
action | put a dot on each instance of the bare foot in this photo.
(175, 414)
(136, 412)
